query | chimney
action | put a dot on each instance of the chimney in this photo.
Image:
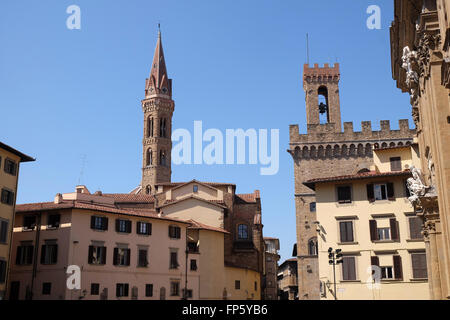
(58, 198)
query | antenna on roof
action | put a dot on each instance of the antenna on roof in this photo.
(83, 162)
(307, 49)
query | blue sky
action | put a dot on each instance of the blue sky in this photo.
(68, 94)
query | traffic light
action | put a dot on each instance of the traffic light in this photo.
(339, 256)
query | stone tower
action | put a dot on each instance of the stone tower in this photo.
(158, 108)
(322, 84)
(326, 151)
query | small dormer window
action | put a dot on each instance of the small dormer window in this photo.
(195, 188)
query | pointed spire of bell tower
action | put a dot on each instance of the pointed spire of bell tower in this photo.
(158, 82)
(158, 108)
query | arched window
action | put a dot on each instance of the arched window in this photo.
(150, 127)
(162, 128)
(312, 247)
(148, 190)
(162, 157)
(149, 157)
(243, 232)
(324, 115)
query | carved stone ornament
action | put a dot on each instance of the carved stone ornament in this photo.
(409, 63)
(416, 186)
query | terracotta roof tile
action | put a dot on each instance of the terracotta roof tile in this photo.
(198, 225)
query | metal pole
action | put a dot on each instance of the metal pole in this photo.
(334, 275)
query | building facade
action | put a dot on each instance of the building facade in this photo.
(327, 150)
(420, 55)
(287, 280)
(10, 160)
(369, 217)
(271, 257)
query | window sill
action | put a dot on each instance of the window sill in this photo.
(98, 230)
(52, 228)
(391, 280)
(347, 243)
(350, 281)
(384, 241)
(121, 266)
(142, 267)
(419, 280)
(414, 240)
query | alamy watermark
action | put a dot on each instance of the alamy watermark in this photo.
(74, 20)
(211, 148)
(374, 20)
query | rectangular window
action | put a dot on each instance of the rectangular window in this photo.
(46, 288)
(195, 188)
(7, 197)
(49, 253)
(149, 290)
(192, 247)
(99, 223)
(174, 288)
(380, 192)
(123, 226)
(2, 271)
(173, 260)
(122, 290)
(24, 254)
(95, 289)
(346, 230)
(174, 232)
(419, 265)
(193, 265)
(237, 284)
(142, 260)
(4, 231)
(396, 164)
(29, 222)
(122, 256)
(344, 194)
(349, 268)
(144, 228)
(97, 255)
(54, 220)
(415, 228)
(312, 207)
(387, 272)
(384, 234)
(10, 167)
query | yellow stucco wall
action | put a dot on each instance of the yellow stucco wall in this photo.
(382, 158)
(360, 211)
(9, 182)
(247, 279)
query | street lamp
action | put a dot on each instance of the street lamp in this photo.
(334, 258)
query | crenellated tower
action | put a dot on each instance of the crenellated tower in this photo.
(158, 108)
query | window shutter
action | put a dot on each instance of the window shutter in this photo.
(370, 193)
(390, 191)
(373, 230)
(29, 256)
(415, 228)
(117, 225)
(116, 256)
(103, 255)
(118, 290)
(398, 272)
(105, 223)
(394, 229)
(350, 231)
(170, 231)
(92, 222)
(43, 251)
(55, 254)
(342, 230)
(149, 229)
(129, 226)
(138, 227)
(375, 261)
(19, 254)
(91, 255)
(128, 256)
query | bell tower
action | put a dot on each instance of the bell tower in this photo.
(158, 108)
(321, 87)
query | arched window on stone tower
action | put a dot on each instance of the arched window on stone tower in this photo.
(312, 247)
(163, 128)
(162, 157)
(149, 157)
(148, 190)
(324, 115)
(150, 124)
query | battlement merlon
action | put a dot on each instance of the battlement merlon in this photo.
(323, 133)
(317, 73)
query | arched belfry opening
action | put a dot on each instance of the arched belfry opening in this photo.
(324, 115)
